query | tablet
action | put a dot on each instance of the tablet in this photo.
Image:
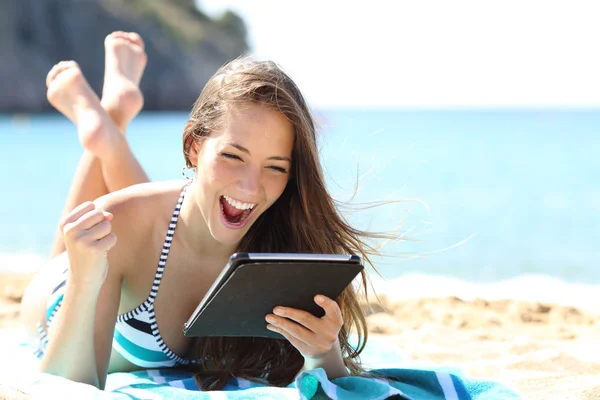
(252, 284)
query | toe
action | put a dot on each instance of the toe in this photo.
(136, 38)
(115, 35)
(56, 70)
(59, 68)
(67, 64)
(51, 75)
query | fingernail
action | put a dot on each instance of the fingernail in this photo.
(271, 328)
(278, 310)
(320, 299)
(270, 319)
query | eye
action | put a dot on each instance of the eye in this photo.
(231, 156)
(278, 169)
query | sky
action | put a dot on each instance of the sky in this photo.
(430, 54)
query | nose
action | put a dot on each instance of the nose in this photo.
(249, 182)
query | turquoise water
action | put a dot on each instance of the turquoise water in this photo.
(507, 193)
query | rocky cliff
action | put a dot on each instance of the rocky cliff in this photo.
(184, 47)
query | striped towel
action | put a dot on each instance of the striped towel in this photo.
(18, 366)
(408, 384)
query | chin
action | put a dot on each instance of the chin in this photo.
(228, 237)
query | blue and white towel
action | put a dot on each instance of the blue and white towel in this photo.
(17, 368)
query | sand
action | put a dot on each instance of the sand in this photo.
(541, 349)
(544, 351)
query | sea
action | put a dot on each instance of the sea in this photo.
(476, 196)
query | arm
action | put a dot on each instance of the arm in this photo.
(332, 362)
(81, 336)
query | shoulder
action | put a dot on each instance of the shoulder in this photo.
(143, 194)
(138, 211)
(138, 200)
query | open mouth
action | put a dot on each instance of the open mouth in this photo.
(235, 213)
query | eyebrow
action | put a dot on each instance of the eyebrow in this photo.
(245, 150)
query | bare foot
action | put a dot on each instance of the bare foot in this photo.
(70, 93)
(125, 60)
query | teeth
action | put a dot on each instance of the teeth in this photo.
(238, 204)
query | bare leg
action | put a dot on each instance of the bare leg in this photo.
(106, 164)
(125, 62)
(88, 184)
(122, 99)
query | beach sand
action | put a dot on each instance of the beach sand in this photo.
(543, 350)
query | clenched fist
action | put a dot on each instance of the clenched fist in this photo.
(88, 238)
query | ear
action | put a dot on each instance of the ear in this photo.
(192, 146)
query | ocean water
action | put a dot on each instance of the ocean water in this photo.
(486, 195)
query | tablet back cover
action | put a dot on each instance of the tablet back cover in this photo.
(240, 306)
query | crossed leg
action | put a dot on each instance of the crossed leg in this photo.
(107, 163)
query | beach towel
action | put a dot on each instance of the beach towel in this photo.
(18, 366)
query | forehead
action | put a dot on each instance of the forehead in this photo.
(256, 126)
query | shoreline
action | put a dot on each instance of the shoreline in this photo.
(525, 288)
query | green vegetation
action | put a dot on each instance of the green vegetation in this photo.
(231, 22)
(182, 21)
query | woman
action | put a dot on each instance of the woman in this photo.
(257, 186)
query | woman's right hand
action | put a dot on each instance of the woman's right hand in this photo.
(88, 238)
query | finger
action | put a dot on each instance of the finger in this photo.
(292, 328)
(298, 344)
(93, 218)
(90, 219)
(98, 231)
(302, 317)
(76, 213)
(332, 309)
(106, 243)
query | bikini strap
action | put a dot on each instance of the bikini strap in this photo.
(166, 247)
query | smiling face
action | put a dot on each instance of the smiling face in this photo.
(242, 168)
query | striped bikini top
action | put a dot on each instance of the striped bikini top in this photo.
(136, 336)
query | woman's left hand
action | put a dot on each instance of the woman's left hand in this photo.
(312, 336)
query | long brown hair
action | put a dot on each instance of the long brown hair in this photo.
(304, 219)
